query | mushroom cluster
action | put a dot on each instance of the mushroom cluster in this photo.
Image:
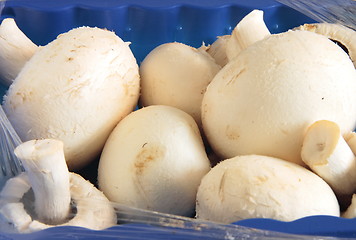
(276, 111)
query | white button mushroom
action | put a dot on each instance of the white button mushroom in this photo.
(56, 191)
(263, 100)
(15, 50)
(255, 186)
(176, 75)
(154, 159)
(76, 89)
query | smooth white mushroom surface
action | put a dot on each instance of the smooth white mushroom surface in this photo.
(254, 186)
(75, 89)
(344, 36)
(177, 75)
(154, 159)
(263, 100)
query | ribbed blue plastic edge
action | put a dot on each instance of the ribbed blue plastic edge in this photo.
(146, 24)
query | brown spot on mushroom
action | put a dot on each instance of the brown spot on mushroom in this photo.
(231, 133)
(148, 153)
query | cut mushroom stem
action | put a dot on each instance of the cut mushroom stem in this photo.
(48, 174)
(15, 50)
(326, 152)
(249, 30)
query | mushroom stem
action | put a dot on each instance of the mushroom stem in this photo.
(15, 50)
(350, 138)
(326, 152)
(249, 30)
(48, 175)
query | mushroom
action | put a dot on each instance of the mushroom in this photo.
(218, 50)
(75, 89)
(15, 50)
(326, 152)
(254, 186)
(264, 99)
(249, 30)
(56, 193)
(176, 75)
(345, 37)
(154, 160)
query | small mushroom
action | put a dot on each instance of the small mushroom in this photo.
(254, 186)
(327, 153)
(15, 50)
(61, 198)
(177, 75)
(249, 30)
(154, 160)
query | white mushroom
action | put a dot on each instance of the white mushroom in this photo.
(176, 75)
(342, 35)
(326, 152)
(56, 192)
(154, 159)
(75, 89)
(15, 50)
(249, 30)
(218, 50)
(255, 186)
(263, 100)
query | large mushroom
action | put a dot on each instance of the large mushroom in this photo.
(75, 89)
(177, 75)
(61, 198)
(254, 186)
(264, 99)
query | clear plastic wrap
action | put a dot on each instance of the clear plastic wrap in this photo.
(130, 22)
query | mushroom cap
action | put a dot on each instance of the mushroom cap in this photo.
(263, 100)
(254, 186)
(154, 159)
(75, 89)
(177, 75)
